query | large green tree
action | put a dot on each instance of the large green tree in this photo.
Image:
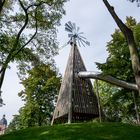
(118, 63)
(14, 124)
(130, 41)
(120, 104)
(128, 34)
(134, 56)
(41, 88)
(28, 26)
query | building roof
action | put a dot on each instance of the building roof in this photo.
(3, 121)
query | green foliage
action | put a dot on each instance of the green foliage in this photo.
(28, 32)
(42, 18)
(80, 131)
(117, 103)
(118, 63)
(14, 124)
(41, 88)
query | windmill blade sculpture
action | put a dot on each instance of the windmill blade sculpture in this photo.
(75, 35)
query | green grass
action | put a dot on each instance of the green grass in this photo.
(81, 131)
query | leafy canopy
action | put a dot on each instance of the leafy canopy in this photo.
(118, 103)
(40, 91)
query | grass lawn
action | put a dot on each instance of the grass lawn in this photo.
(80, 131)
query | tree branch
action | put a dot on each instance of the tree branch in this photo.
(1, 5)
(2, 76)
(108, 79)
(8, 59)
(119, 22)
(11, 54)
(25, 24)
(131, 43)
(36, 29)
(37, 4)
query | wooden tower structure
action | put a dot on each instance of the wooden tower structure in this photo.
(76, 101)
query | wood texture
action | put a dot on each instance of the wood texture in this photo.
(76, 101)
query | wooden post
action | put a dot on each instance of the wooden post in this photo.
(70, 105)
(136, 107)
(73, 44)
(98, 100)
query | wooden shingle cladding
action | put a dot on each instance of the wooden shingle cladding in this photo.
(76, 100)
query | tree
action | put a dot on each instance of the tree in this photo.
(118, 63)
(4, 5)
(14, 124)
(117, 103)
(30, 24)
(41, 88)
(128, 34)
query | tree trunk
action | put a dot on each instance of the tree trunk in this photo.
(98, 99)
(2, 74)
(108, 79)
(131, 43)
(3, 68)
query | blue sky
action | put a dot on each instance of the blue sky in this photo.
(95, 21)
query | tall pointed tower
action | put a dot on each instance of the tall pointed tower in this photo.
(76, 101)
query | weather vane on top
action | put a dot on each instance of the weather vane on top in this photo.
(75, 36)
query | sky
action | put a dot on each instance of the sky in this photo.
(97, 24)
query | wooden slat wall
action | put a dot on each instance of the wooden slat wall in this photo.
(84, 101)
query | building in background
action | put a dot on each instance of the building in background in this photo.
(3, 125)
